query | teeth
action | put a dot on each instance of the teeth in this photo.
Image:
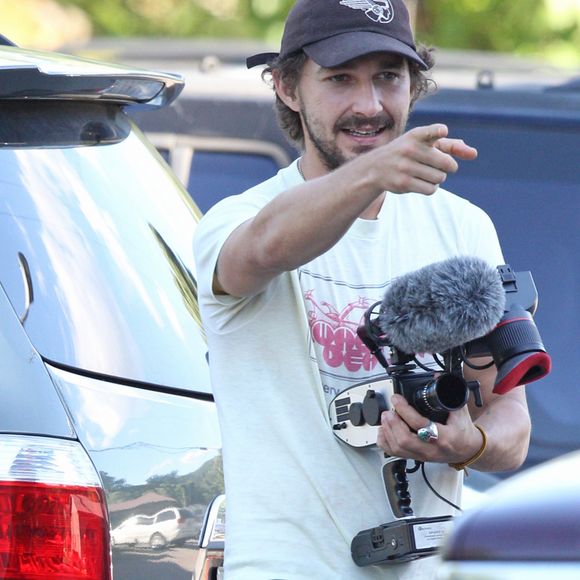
(364, 133)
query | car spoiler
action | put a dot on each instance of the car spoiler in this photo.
(28, 74)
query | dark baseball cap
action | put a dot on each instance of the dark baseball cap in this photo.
(332, 32)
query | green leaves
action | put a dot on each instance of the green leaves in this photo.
(525, 26)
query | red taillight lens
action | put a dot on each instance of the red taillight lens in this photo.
(48, 531)
(51, 529)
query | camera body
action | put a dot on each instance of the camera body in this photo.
(355, 413)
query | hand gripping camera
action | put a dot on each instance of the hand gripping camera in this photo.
(517, 350)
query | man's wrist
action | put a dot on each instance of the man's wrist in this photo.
(464, 464)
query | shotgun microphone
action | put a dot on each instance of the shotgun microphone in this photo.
(442, 305)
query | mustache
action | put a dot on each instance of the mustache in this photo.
(382, 121)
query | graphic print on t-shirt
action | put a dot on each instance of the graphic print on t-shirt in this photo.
(335, 310)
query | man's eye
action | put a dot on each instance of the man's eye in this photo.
(339, 78)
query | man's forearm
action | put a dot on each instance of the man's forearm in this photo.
(507, 424)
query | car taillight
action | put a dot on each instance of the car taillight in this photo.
(53, 518)
(213, 566)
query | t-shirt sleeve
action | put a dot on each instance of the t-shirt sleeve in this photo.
(222, 313)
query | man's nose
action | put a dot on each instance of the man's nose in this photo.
(367, 100)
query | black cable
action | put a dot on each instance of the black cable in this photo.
(416, 468)
(471, 365)
(477, 367)
(438, 361)
(437, 494)
(422, 366)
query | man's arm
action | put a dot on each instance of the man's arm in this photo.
(304, 222)
(504, 418)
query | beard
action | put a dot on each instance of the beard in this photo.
(329, 153)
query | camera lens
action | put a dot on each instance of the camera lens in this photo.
(448, 392)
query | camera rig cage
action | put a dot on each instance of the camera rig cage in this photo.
(355, 413)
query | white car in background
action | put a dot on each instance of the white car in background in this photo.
(169, 526)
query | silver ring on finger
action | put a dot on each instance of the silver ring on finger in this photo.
(428, 433)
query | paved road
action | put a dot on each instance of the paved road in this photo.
(174, 563)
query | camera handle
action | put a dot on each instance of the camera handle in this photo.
(394, 472)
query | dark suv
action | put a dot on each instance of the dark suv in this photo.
(105, 407)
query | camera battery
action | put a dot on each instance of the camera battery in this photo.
(400, 541)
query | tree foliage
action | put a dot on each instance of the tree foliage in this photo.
(526, 26)
(481, 24)
(207, 18)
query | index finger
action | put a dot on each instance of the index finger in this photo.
(457, 148)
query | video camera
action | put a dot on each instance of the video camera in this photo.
(517, 351)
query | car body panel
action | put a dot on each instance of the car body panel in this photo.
(134, 433)
(209, 553)
(508, 571)
(30, 402)
(154, 450)
(533, 516)
(529, 526)
(101, 340)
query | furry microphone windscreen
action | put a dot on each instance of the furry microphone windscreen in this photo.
(442, 305)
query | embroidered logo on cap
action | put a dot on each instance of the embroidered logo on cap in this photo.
(379, 11)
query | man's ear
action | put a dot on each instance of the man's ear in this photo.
(286, 95)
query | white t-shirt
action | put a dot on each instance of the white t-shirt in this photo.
(296, 495)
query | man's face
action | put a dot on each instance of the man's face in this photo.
(352, 109)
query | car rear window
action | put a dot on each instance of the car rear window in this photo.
(97, 252)
(166, 516)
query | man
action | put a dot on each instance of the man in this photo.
(286, 271)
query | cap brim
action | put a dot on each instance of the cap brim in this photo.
(337, 50)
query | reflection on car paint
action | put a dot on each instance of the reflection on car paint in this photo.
(149, 473)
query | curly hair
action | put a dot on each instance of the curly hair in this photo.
(290, 69)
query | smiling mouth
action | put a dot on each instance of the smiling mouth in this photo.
(367, 133)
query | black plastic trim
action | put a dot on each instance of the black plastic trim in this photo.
(182, 392)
